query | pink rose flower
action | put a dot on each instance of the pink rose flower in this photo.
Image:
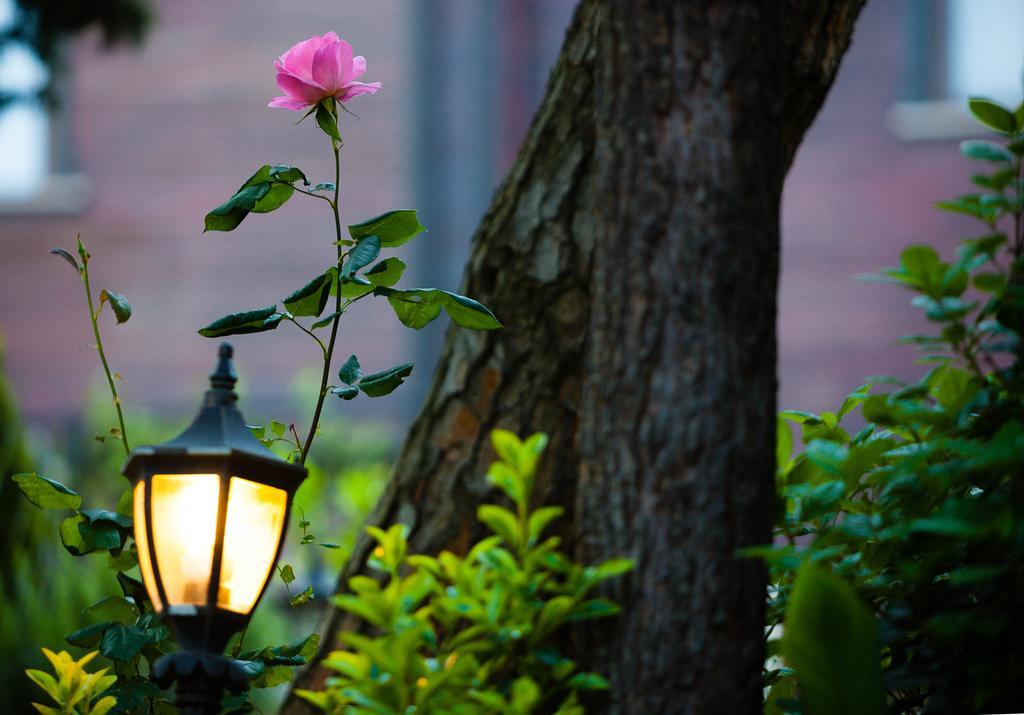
(318, 68)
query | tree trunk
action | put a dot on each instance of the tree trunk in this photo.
(632, 254)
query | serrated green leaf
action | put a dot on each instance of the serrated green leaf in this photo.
(370, 611)
(540, 519)
(822, 498)
(501, 521)
(348, 392)
(593, 608)
(287, 573)
(47, 682)
(504, 477)
(386, 273)
(311, 299)
(120, 305)
(89, 636)
(70, 537)
(47, 493)
(252, 321)
(266, 190)
(232, 212)
(383, 383)
(272, 676)
(920, 261)
(350, 372)
(413, 311)
(393, 228)
(362, 254)
(300, 599)
(122, 643)
(287, 174)
(588, 681)
(469, 313)
(276, 197)
(100, 535)
(827, 455)
(830, 641)
(417, 307)
(326, 320)
(612, 568)
(113, 608)
(124, 561)
(97, 516)
(992, 115)
(354, 286)
(67, 257)
(985, 151)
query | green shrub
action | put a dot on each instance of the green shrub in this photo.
(75, 690)
(920, 512)
(474, 634)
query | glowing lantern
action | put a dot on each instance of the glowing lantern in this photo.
(211, 509)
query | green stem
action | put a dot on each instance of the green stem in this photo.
(337, 309)
(315, 196)
(93, 315)
(308, 332)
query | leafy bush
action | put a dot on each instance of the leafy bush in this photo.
(921, 512)
(474, 634)
(75, 690)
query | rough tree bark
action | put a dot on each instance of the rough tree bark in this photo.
(632, 254)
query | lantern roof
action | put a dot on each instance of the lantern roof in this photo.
(218, 432)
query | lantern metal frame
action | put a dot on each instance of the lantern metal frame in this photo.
(217, 442)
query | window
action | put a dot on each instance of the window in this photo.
(30, 183)
(986, 49)
(957, 49)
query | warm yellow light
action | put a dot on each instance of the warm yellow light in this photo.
(184, 510)
(255, 522)
(142, 543)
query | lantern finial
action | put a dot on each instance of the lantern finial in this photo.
(224, 376)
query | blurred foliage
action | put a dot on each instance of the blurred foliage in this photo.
(899, 549)
(474, 634)
(13, 459)
(44, 26)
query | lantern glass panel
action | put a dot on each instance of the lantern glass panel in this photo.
(255, 522)
(184, 510)
(142, 544)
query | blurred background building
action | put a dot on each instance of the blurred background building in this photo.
(145, 142)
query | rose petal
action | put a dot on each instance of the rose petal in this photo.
(296, 105)
(355, 89)
(358, 68)
(299, 59)
(298, 89)
(331, 65)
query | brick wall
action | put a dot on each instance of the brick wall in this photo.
(167, 133)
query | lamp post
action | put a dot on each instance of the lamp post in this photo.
(211, 509)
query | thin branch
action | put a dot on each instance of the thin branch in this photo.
(308, 332)
(315, 196)
(93, 315)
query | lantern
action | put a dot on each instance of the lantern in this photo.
(211, 509)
